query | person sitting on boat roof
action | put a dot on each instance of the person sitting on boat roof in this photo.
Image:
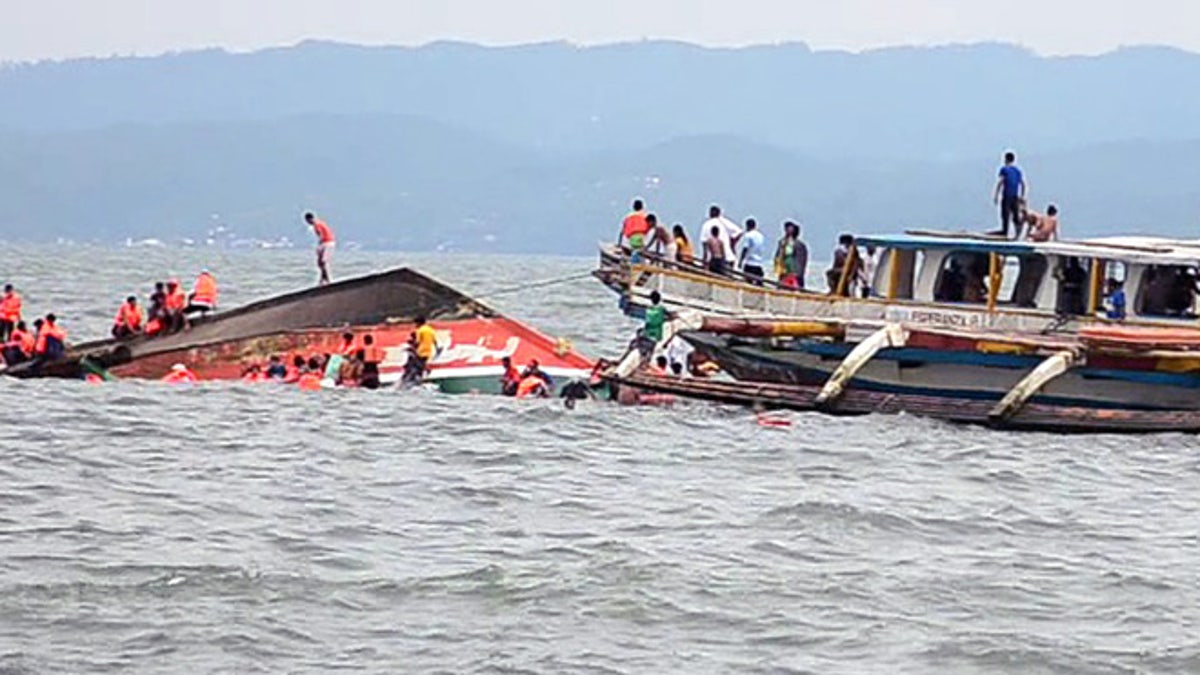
(174, 306)
(1114, 300)
(727, 231)
(754, 247)
(51, 341)
(204, 294)
(1042, 228)
(714, 252)
(510, 379)
(10, 312)
(634, 228)
(684, 253)
(1010, 195)
(325, 244)
(128, 321)
(19, 346)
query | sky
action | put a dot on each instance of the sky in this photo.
(32, 30)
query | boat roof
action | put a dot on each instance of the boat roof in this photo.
(1147, 250)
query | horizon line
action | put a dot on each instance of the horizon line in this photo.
(597, 45)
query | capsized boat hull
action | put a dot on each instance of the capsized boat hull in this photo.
(954, 371)
(469, 357)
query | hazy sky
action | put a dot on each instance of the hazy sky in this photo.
(37, 29)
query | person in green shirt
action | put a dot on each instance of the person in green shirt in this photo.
(652, 329)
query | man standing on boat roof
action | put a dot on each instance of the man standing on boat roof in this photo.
(1010, 195)
(325, 244)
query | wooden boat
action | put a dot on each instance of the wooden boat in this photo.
(1019, 287)
(472, 337)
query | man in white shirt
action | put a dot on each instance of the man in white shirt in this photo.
(729, 231)
(753, 247)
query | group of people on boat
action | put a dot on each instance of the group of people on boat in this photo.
(729, 249)
(170, 308)
(18, 343)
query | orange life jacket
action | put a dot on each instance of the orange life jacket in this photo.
(154, 327)
(23, 341)
(348, 349)
(635, 223)
(176, 300)
(374, 355)
(529, 386)
(48, 331)
(10, 307)
(309, 382)
(205, 290)
(179, 377)
(129, 316)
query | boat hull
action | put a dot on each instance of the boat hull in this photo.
(957, 374)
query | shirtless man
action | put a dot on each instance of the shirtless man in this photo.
(714, 251)
(1043, 228)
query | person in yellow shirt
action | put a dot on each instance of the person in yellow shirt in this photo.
(423, 349)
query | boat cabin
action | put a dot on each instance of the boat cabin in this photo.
(1160, 277)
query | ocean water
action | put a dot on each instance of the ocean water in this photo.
(229, 528)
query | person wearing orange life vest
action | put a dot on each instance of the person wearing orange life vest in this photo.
(19, 346)
(534, 382)
(348, 347)
(10, 312)
(180, 374)
(310, 379)
(51, 342)
(128, 321)
(510, 381)
(372, 357)
(204, 294)
(325, 244)
(634, 227)
(174, 306)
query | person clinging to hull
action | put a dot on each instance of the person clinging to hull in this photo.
(325, 244)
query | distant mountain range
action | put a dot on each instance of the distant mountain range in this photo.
(540, 148)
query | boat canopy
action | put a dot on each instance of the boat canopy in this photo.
(1142, 250)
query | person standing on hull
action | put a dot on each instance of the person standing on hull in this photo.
(10, 312)
(325, 244)
(753, 248)
(424, 349)
(1010, 195)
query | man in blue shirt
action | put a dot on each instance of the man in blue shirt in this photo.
(1010, 195)
(1116, 301)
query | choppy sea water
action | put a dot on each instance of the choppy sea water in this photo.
(229, 528)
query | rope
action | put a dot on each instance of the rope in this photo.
(537, 284)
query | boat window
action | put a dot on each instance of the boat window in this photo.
(1072, 274)
(963, 278)
(1022, 279)
(909, 264)
(1168, 290)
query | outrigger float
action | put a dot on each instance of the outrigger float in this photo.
(472, 337)
(1034, 350)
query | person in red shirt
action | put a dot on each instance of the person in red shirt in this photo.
(10, 312)
(325, 243)
(180, 374)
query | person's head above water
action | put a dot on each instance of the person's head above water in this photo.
(314, 363)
